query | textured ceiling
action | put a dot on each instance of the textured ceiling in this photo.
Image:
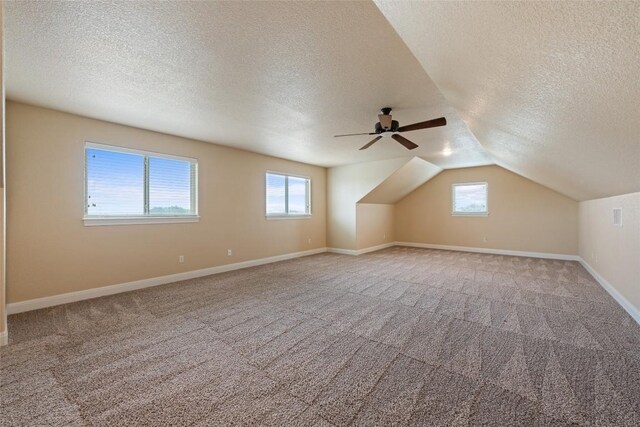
(550, 89)
(403, 181)
(278, 78)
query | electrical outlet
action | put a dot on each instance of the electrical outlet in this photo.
(484, 239)
(384, 236)
(181, 259)
(229, 252)
(309, 240)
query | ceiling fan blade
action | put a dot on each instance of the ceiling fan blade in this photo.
(441, 121)
(370, 143)
(354, 134)
(404, 141)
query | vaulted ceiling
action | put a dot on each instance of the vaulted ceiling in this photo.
(550, 89)
(546, 90)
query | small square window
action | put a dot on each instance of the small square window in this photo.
(287, 195)
(470, 199)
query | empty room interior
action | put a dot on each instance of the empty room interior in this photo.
(303, 213)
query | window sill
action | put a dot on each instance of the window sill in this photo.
(470, 214)
(279, 217)
(137, 220)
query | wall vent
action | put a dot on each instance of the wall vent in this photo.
(617, 217)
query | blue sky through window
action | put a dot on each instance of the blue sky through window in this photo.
(287, 192)
(116, 183)
(275, 194)
(297, 195)
(169, 186)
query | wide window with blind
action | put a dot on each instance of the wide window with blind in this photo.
(470, 198)
(132, 186)
(287, 195)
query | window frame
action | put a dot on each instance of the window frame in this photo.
(287, 215)
(453, 199)
(95, 220)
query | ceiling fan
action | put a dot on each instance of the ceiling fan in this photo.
(388, 127)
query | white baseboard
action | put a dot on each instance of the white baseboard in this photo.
(342, 251)
(35, 304)
(376, 248)
(361, 251)
(620, 299)
(563, 257)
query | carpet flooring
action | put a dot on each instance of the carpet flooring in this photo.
(401, 336)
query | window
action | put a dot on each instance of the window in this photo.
(129, 186)
(287, 195)
(470, 199)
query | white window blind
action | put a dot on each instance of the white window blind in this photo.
(130, 183)
(470, 198)
(287, 195)
(171, 187)
(115, 183)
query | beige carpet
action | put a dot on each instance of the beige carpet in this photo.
(400, 336)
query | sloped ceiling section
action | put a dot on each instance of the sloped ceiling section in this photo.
(278, 78)
(550, 89)
(403, 181)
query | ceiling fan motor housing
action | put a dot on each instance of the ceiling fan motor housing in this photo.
(394, 127)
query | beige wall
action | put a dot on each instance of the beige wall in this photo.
(374, 224)
(346, 185)
(523, 215)
(613, 252)
(52, 252)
